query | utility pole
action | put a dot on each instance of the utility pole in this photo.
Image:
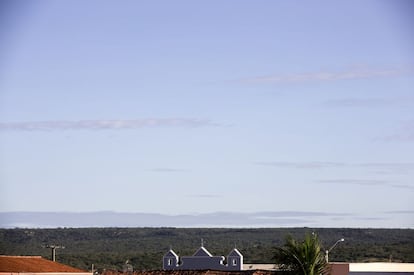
(53, 247)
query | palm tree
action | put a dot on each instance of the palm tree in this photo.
(305, 257)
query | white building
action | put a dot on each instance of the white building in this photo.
(384, 268)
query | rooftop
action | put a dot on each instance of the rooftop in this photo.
(35, 264)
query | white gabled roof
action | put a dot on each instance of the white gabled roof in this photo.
(171, 253)
(202, 252)
(235, 252)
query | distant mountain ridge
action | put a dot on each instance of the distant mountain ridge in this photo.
(122, 219)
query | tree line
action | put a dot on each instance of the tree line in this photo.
(143, 248)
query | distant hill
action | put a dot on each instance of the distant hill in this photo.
(110, 248)
(118, 219)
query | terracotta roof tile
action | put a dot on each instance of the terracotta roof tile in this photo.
(35, 264)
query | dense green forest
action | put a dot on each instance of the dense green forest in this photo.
(110, 248)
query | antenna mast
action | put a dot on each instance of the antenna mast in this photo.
(53, 247)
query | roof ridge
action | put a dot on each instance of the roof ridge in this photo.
(20, 256)
(204, 252)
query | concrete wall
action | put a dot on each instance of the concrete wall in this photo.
(339, 269)
(372, 268)
(202, 263)
(203, 260)
(381, 267)
(234, 262)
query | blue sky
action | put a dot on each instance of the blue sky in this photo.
(179, 107)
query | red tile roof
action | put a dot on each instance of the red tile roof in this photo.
(34, 264)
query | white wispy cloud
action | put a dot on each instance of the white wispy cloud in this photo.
(404, 186)
(384, 166)
(367, 182)
(354, 181)
(301, 165)
(166, 170)
(120, 124)
(405, 133)
(408, 212)
(349, 74)
(375, 168)
(204, 196)
(370, 102)
(397, 167)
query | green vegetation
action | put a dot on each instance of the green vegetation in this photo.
(302, 257)
(110, 248)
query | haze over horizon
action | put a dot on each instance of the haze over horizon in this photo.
(305, 219)
(303, 111)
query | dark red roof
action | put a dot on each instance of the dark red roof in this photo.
(35, 264)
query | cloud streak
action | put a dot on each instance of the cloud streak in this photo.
(204, 196)
(383, 166)
(389, 166)
(166, 170)
(370, 102)
(105, 124)
(301, 165)
(323, 76)
(404, 134)
(367, 182)
(403, 186)
(355, 181)
(403, 212)
(110, 219)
